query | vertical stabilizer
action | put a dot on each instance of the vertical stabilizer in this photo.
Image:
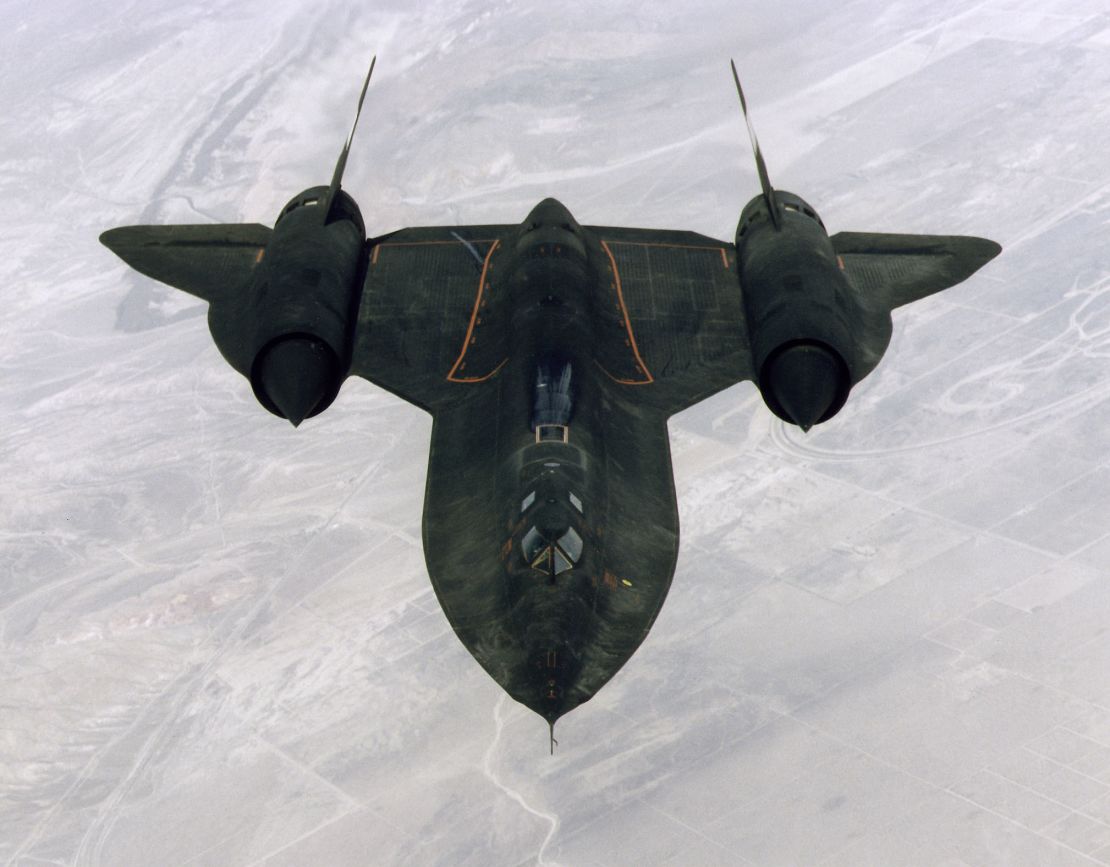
(341, 165)
(761, 167)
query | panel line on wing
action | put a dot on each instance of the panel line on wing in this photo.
(722, 250)
(460, 363)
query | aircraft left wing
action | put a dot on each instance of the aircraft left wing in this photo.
(897, 269)
(680, 294)
(429, 323)
(212, 262)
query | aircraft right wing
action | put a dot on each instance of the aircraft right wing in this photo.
(898, 269)
(425, 324)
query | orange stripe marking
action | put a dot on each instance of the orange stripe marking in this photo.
(627, 323)
(489, 375)
(378, 247)
(459, 363)
(430, 243)
(617, 379)
(723, 251)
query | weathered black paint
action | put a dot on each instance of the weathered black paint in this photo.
(516, 337)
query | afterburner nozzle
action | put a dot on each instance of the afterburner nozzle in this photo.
(804, 384)
(296, 376)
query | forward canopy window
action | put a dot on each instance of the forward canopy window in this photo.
(552, 559)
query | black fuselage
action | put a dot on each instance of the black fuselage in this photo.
(580, 520)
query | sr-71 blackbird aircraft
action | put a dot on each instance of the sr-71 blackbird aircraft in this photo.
(550, 355)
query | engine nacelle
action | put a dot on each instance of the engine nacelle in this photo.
(304, 305)
(801, 312)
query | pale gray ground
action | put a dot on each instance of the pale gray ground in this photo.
(886, 642)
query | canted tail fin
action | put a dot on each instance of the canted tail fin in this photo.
(760, 166)
(341, 164)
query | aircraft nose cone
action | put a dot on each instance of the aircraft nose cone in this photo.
(552, 701)
(547, 682)
(296, 375)
(803, 384)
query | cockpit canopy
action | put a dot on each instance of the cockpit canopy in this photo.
(552, 558)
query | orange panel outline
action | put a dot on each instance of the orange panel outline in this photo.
(627, 326)
(470, 328)
(378, 247)
(722, 250)
(473, 379)
(617, 379)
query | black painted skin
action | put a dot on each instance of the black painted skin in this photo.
(460, 320)
(552, 640)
